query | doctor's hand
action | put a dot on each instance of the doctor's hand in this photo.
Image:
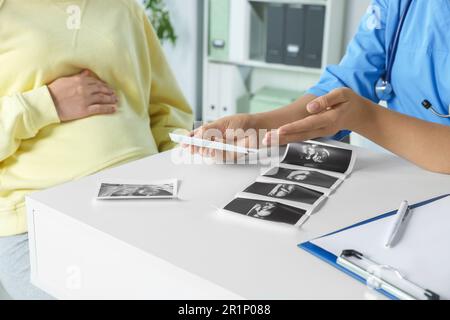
(341, 109)
(230, 130)
(82, 95)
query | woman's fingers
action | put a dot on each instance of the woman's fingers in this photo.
(89, 74)
(97, 109)
(98, 87)
(86, 73)
(101, 98)
(97, 90)
(94, 83)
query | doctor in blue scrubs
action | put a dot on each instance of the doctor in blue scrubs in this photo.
(400, 54)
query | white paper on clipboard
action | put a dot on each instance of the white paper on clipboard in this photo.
(422, 255)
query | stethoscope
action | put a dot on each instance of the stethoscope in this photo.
(383, 88)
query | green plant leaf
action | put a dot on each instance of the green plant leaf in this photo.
(159, 16)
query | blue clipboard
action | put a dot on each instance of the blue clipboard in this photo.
(331, 259)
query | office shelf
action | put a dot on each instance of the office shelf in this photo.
(270, 66)
(313, 2)
(229, 81)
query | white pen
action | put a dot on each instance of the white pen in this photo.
(397, 224)
(210, 144)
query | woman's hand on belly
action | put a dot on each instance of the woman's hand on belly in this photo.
(81, 96)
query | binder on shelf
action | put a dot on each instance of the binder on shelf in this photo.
(314, 35)
(219, 26)
(275, 32)
(295, 32)
(211, 111)
(232, 89)
(239, 34)
(416, 268)
(258, 32)
(227, 91)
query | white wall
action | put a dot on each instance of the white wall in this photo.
(184, 58)
(355, 10)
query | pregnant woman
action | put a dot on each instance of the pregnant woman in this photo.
(84, 85)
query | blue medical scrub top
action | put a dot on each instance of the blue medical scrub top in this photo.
(422, 64)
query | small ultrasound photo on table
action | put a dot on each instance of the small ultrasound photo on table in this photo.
(118, 190)
(266, 210)
(318, 156)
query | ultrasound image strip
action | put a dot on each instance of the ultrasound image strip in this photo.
(268, 211)
(303, 176)
(285, 192)
(279, 202)
(321, 157)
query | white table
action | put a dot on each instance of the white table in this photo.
(185, 249)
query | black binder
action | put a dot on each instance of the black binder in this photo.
(314, 33)
(275, 32)
(294, 33)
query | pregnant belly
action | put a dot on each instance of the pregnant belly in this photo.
(67, 151)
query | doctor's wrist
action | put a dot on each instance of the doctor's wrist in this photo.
(363, 115)
(260, 121)
(279, 117)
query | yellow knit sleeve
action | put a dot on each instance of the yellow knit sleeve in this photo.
(22, 115)
(168, 108)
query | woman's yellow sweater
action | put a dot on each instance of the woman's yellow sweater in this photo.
(41, 41)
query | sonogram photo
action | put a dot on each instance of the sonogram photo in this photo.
(319, 156)
(266, 210)
(304, 176)
(285, 191)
